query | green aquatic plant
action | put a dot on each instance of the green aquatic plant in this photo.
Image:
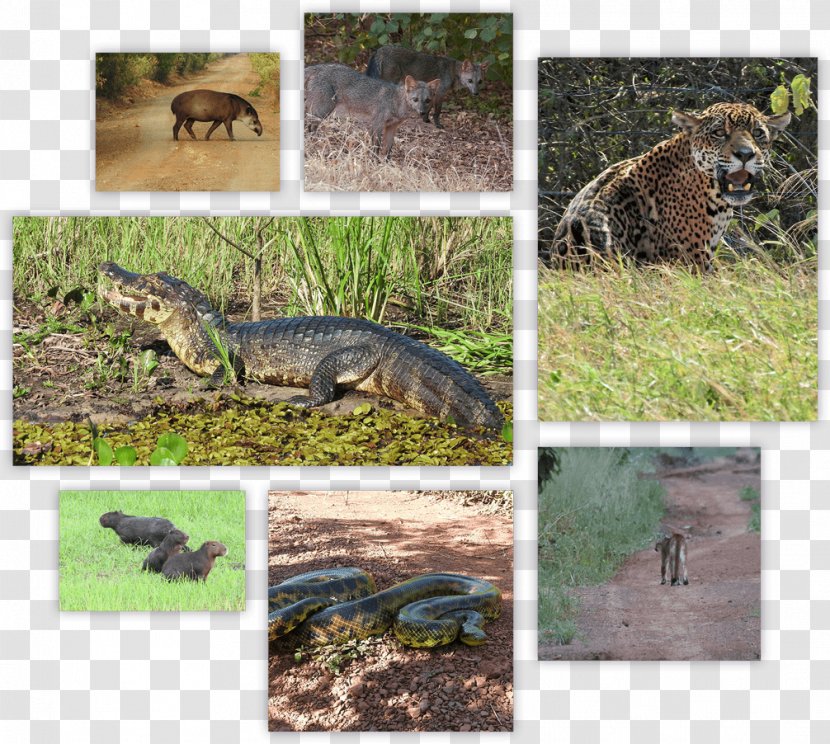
(239, 430)
(171, 449)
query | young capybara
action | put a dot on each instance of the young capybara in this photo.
(196, 564)
(137, 530)
(171, 545)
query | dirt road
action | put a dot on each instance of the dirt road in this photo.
(135, 150)
(717, 616)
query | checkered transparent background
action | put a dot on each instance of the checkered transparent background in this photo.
(110, 677)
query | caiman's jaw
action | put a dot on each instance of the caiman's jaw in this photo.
(181, 312)
(150, 297)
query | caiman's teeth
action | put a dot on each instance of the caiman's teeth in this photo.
(747, 186)
(730, 187)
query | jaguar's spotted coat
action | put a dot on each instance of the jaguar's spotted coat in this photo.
(674, 202)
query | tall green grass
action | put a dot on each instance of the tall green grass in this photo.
(663, 343)
(99, 572)
(748, 493)
(454, 272)
(592, 514)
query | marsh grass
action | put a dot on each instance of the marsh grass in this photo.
(663, 343)
(592, 514)
(455, 272)
(99, 573)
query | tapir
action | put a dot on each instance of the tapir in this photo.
(211, 105)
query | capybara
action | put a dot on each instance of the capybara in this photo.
(171, 545)
(137, 530)
(211, 105)
(196, 564)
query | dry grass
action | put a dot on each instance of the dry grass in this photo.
(338, 157)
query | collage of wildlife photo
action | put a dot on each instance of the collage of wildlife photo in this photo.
(407, 371)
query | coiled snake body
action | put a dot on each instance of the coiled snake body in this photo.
(340, 604)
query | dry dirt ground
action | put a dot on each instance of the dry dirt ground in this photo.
(394, 535)
(717, 616)
(135, 149)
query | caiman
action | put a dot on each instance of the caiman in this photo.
(322, 353)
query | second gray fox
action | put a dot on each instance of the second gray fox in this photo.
(382, 106)
(394, 63)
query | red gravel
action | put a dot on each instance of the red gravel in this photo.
(378, 684)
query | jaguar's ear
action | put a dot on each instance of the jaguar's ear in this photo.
(683, 121)
(778, 124)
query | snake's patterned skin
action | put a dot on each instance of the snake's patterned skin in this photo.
(341, 604)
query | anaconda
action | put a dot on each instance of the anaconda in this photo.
(341, 604)
(322, 353)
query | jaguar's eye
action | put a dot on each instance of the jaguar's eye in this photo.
(719, 132)
(757, 132)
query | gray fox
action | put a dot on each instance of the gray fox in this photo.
(382, 106)
(393, 63)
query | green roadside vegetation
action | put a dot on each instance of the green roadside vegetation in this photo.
(593, 514)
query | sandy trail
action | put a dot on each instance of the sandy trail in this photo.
(135, 150)
(717, 616)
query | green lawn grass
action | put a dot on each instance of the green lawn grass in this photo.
(99, 572)
(666, 344)
(592, 515)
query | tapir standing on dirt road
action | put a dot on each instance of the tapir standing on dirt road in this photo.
(211, 105)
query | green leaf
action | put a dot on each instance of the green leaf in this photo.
(125, 455)
(148, 361)
(175, 445)
(507, 431)
(801, 93)
(362, 409)
(162, 456)
(779, 100)
(103, 451)
(471, 33)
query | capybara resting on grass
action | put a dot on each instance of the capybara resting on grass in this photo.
(137, 530)
(171, 545)
(196, 564)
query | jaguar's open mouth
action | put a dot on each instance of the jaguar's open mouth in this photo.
(738, 186)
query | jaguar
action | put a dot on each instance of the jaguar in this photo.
(674, 202)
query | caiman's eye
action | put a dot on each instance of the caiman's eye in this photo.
(719, 132)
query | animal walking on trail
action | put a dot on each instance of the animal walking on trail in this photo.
(211, 105)
(672, 549)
